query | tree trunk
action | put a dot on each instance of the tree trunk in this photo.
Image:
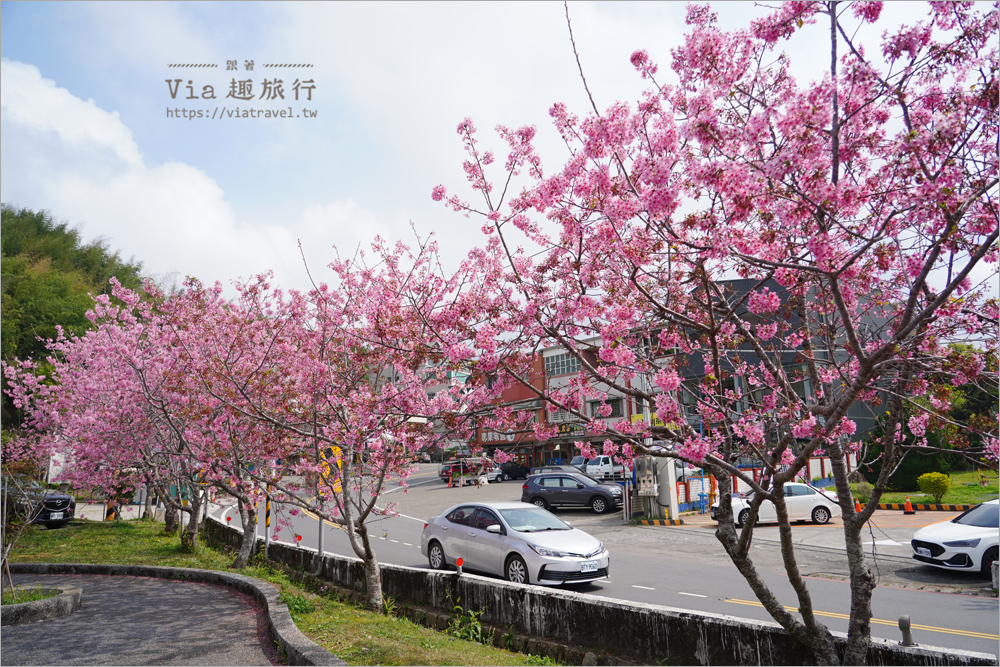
(248, 517)
(189, 538)
(148, 512)
(373, 574)
(171, 518)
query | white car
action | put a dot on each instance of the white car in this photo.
(804, 503)
(495, 474)
(967, 542)
(518, 541)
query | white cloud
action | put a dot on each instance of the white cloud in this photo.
(81, 163)
(39, 106)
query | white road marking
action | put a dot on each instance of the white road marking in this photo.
(694, 595)
(407, 544)
(645, 588)
(394, 541)
(887, 543)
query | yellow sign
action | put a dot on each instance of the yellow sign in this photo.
(653, 420)
(327, 454)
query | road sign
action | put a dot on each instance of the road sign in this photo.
(335, 454)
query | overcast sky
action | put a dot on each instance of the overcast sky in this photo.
(86, 132)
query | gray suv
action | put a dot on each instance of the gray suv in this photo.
(570, 489)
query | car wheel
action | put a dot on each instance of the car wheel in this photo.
(988, 560)
(599, 505)
(742, 518)
(500, 478)
(516, 571)
(435, 557)
(539, 502)
(821, 515)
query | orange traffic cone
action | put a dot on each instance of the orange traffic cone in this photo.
(857, 506)
(909, 508)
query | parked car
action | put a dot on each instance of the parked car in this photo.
(462, 468)
(51, 508)
(495, 474)
(569, 489)
(517, 541)
(967, 542)
(537, 470)
(804, 503)
(604, 467)
(514, 470)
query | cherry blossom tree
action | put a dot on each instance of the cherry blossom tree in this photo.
(358, 377)
(769, 252)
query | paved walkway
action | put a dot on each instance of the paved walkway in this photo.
(142, 621)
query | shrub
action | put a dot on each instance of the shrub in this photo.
(934, 484)
(862, 492)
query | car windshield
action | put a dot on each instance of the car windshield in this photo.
(981, 516)
(533, 520)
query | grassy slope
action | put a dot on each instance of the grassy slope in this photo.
(355, 635)
(965, 490)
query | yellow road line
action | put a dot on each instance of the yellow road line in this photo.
(879, 621)
(329, 523)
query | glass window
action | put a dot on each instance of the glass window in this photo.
(616, 407)
(531, 520)
(982, 516)
(550, 482)
(561, 364)
(462, 515)
(581, 479)
(484, 519)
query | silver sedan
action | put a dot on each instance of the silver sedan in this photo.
(520, 542)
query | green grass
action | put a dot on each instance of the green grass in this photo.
(350, 632)
(965, 490)
(21, 595)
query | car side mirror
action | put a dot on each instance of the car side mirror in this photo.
(495, 528)
(579, 486)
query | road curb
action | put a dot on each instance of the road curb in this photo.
(66, 602)
(299, 649)
(659, 522)
(921, 507)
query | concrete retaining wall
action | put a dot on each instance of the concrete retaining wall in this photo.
(631, 632)
(63, 603)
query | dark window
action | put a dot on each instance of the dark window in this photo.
(982, 516)
(462, 516)
(616, 408)
(484, 519)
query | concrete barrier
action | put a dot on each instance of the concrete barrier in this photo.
(625, 631)
(65, 602)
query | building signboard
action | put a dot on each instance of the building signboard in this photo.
(571, 431)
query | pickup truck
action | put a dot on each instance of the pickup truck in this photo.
(603, 467)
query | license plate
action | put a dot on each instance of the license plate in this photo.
(921, 551)
(55, 515)
(588, 566)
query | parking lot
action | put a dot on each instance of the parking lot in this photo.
(820, 549)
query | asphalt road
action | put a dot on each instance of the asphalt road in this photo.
(142, 621)
(685, 566)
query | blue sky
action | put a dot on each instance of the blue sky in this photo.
(85, 132)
